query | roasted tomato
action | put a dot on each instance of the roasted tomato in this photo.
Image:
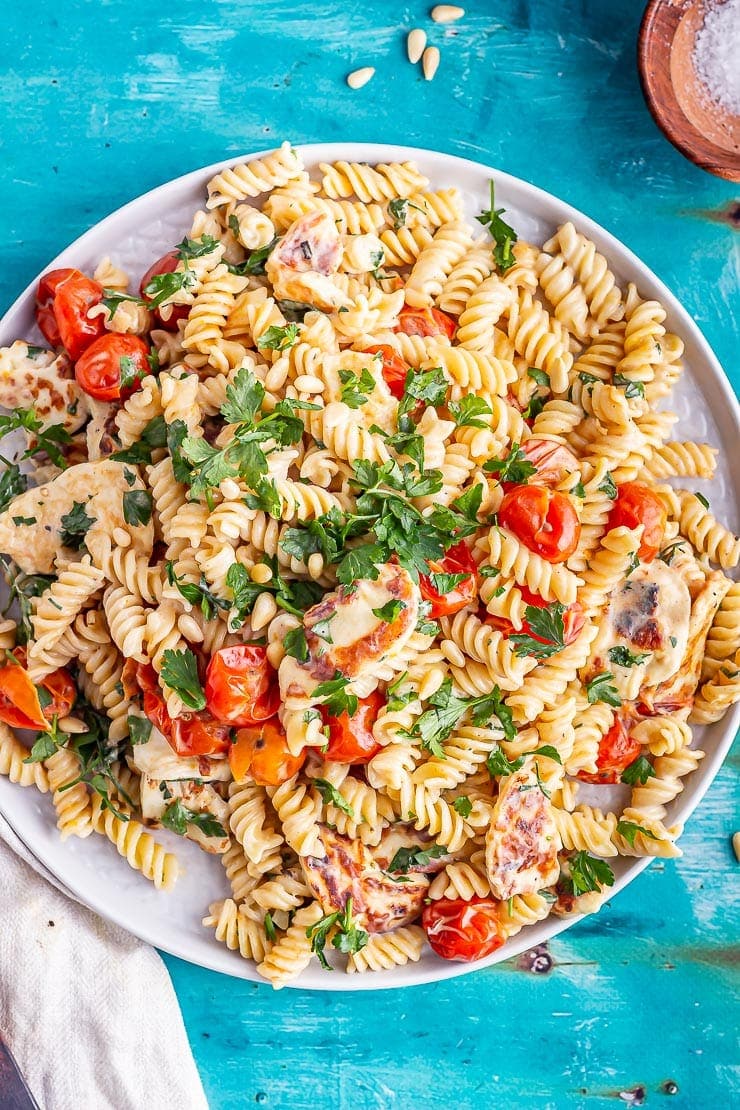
(26, 705)
(544, 520)
(241, 687)
(425, 321)
(617, 749)
(458, 560)
(573, 618)
(190, 734)
(63, 300)
(459, 930)
(351, 739)
(112, 367)
(395, 368)
(164, 265)
(553, 461)
(637, 505)
(262, 753)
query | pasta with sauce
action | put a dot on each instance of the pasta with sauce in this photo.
(363, 574)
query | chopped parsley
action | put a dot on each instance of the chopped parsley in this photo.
(137, 506)
(153, 436)
(407, 858)
(516, 467)
(139, 729)
(629, 830)
(640, 770)
(701, 499)
(196, 593)
(469, 411)
(503, 235)
(602, 688)
(277, 338)
(347, 938)
(668, 554)
(336, 699)
(587, 874)
(631, 389)
(356, 388)
(608, 486)
(180, 672)
(331, 796)
(623, 657)
(447, 710)
(390, 611)
(177, 817)
(75, 526)
(547, 631)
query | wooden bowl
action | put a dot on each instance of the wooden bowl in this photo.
(681, 106)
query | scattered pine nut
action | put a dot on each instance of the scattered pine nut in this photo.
(736, 845)
(360, 77)
(415, 43)
(430, 62)
(447, 13)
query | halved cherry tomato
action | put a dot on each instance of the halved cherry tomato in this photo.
(458, 560)
(112, 367)
(573, 618)
(20, 704)
(617, 749)
(164, 265)
(553, 460)
(425, 321)
(241, 686)
(190, 734)
(63, 300)
(637, 505)
(465, 931)
(351, 739)
(395, 368)
(262, 753)
(544, 520)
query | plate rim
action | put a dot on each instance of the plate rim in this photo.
(683, 808)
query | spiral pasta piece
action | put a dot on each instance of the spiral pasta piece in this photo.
(385, 951)
(140, 850)
(705, 531)
(237, 931)
(249, 179)
(592, 272)
(12, 762)
(72, 803)
(291, 954)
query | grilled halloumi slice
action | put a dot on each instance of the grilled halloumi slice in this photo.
(344, 634)
(34, 378)
(157, 795)
(348, 870)
(36, 546)
(301, 265)
(522, 840)
(157, 760)
(648, 616)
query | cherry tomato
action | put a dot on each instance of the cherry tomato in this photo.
(241, 686)
(351, 739)
(458, 560)
(425, 321)
(20, 704)
(554, 461)
(459, 930)
(190, 734)
(164, 265)
(112, 367)
(617, 749)
(637, 505)
(573, 618)
(63, 300)
(262, 753)
(544, 520)
(395, 368)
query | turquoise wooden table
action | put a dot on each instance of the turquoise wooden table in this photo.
(101, 101)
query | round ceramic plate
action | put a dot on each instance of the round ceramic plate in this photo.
(142, 231)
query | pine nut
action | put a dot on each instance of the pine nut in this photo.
(415, 43)
(265, 608)
(360, 77)
(260, 573)
(430, 62)
(447, 13)
(736, 845)
(190, 629)
(121, 537)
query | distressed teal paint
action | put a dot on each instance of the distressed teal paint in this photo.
(100, 101)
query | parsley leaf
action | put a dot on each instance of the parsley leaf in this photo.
(539, 376)
(137, 506)
(602, 688)
(588, 873)
(516, 467)
(278, 339)
(180, 672)
(162, 287)
(608, 486)
(331, 796)
(701, 499)
(629, 830)
(153, 436)
(196, 593)
(244, 397)
(390, 611)
(348, 937)
(623, 657)
(498, 764)
(469, 503)
(336, 699)
(255, 262)
(640, 770)
(503, 234)
(139, 729)
(398, 210)
(668, 554)
(295, 644)
(467, 412)
(406, 858)
(177, 817)
(437, 723)
(75, 525)
(356, 388)
(463, 805)
(195, 248)
(631, 389)
(547, 626)
(12, 482)
(112, 298)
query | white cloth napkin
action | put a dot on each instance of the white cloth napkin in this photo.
(87, 1010)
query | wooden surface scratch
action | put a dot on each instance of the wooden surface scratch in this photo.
(99, 102)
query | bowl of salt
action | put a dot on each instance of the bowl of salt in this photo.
(689, 61)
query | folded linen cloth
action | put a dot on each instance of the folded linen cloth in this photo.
(87, 1010)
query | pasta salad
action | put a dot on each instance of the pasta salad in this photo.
(345, 547)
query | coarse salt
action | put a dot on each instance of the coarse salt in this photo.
(717, 55)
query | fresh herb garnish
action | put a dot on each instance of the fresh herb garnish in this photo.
(629, 830)
(336, 699)
(356, 388)
(547, 632)
(278, 339)
(139, 729)
(668, 554)
(623, 657)
(640, 770)
(602, 688)
(180, 672)
(437, 723)
(331, 796)
(137, 506)
(153, 436)
(390, 611)
(701, 499)
(463, 805)
(469, 410)
(348, 938)
(516, 467)
(75, 525)
(407, 858)
(587, 874)
(199, 593)
(631, 389)
(608, 486)
(503, 234)
(177, 817)
(295, 644)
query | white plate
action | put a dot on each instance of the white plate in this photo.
(142, 231)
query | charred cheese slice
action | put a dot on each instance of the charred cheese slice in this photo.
(522, 840)
(33, 378)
